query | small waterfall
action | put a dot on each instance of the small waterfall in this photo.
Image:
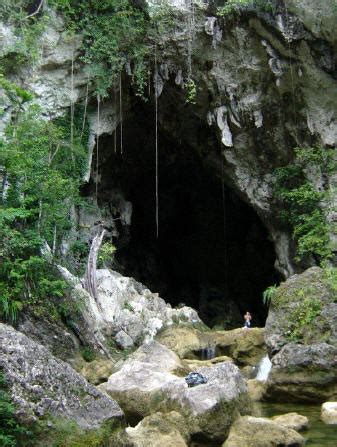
(208, 353)
(263, 369)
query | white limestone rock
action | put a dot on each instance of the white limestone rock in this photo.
(329, 413)
(124, 309)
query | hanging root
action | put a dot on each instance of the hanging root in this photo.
(72, 108)
(85, 109)
(156, 129)
(121, 111)
(97, 145)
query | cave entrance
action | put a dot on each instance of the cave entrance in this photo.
(213, 253)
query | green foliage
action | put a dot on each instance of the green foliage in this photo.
(15, 93)
(65, 433)
(114, 33)
(88, 354)
(12, 433)
(191, 91)
(268, 294)
(43, 171)
(25, 46)
(301, 318)
(14, 12)
(300, 202)
(330, 276)
(237, 6)
(106, 255)
(128, 306)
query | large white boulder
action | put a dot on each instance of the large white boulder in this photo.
(150, 380)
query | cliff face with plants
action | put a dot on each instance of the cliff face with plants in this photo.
(190, 145)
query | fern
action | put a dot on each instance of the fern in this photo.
(268, 294)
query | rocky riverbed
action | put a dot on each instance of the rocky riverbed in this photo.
(146, 389)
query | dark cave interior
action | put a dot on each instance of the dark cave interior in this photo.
(213, 252)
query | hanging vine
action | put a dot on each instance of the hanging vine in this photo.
(121, 113)
(72, 107)
(156, 139)
(97, 144)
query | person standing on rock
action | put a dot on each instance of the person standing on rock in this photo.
(247, 317)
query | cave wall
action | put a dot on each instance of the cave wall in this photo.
(265, 84)
(213, 252)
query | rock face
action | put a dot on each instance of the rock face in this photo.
(245, 347)
(125, 310)
(301, 334)
(329, 412)
(252, 67)
(256, 80)
(41, 385)
(54, 335)
(249, 431)
(146, 383)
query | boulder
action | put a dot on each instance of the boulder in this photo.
(156, 430)
(301, 336)
(303, 373)
(148, 382)
(41, 385)
(329, 412)
(304, 301)
(248, 431)
(294, 421)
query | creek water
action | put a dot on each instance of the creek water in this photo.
(318, 434)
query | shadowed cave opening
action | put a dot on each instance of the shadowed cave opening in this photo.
(213, 253)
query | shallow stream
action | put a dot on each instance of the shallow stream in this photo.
(318, 435)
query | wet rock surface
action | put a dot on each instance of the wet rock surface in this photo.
(41, 385)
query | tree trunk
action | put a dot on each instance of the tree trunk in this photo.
(90, 274)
